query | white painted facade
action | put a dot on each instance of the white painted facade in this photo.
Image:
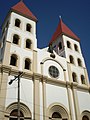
(41, 94)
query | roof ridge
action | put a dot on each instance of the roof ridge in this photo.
(63, 29)
(22, 9)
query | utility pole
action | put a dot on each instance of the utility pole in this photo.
(18, 99)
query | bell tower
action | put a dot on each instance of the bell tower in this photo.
(18, 34)
(18, 46)
(66, 44)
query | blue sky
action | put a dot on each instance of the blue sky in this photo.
(75, 14)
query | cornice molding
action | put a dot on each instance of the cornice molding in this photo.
(44, 78)
(56, 82)
(83, 87)
(74, 85)
(37, 76)
(4, 68)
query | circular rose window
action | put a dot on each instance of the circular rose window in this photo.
(53, 71)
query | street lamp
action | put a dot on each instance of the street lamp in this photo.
(11, 81)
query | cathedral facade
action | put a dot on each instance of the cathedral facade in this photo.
(54, 82)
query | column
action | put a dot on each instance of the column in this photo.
(3, 90)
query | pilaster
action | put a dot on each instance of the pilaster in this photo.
(34, 61)
(69, 100)
(64, 74)
(75, 98)
(86, 77)
(69, 71)
(36, 79)
(3, 90)
(44, 97)
(6, 58)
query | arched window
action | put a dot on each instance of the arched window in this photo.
(76, 47)
(13, 60)
(27, 64)
(56, 115)
(68, 44)
(16, 39)
(60, 45)
(28, 43)
(28, 27)
(17, 23)
(79, 62)
(58, 112)
(14, 114)
(71, 59)
(82, 79)
(85, 117)
(74, 77)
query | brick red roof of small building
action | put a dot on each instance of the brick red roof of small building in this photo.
(22, 9)
(62, 29)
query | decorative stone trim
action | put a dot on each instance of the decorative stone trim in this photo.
(56, 82)
(74, 85)
(59, 108)
(44, 78)
(83, 88)
(26, 111)
(5, 69)
(37, 76)
(68, 84)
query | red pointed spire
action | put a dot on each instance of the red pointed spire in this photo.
(22, 9)
(62, 29)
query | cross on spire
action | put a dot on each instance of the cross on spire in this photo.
(60, 17)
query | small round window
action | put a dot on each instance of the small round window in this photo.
(53, 71)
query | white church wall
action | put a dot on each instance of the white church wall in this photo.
(75, 56)
(84, 101)
(26, 92)
(24, 21)
(49, 63)
(72, 41)
(22, 30)
(79, 71)
(11, 94)
(71, 51)
(41, 102)
(56, 94)
(22, 54)
(4, 32)
(43, 55)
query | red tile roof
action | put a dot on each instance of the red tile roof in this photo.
(62, 29)
(22, 9)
